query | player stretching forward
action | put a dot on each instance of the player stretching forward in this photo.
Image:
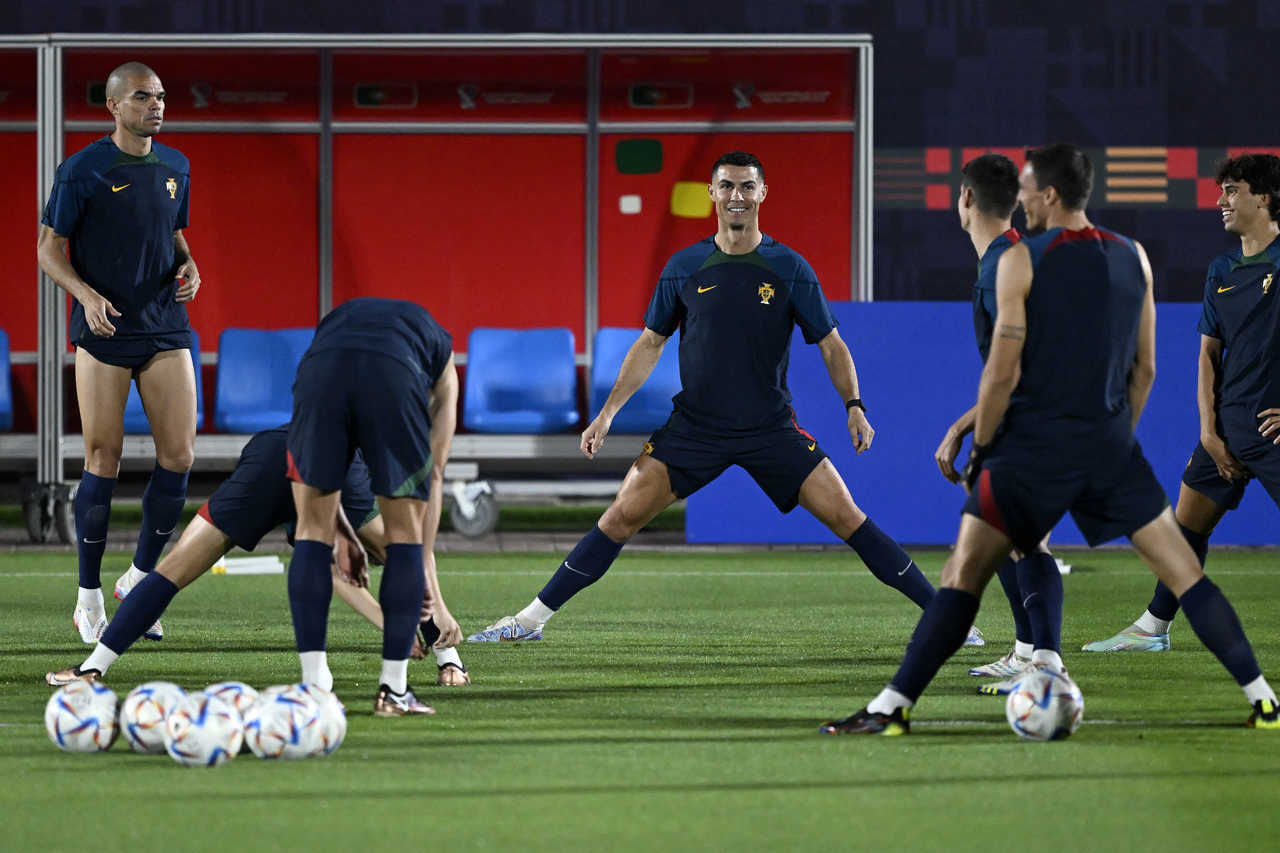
(249, 504)
(1238, 381)
(1075, 309)
(736, 296)
(1033, 585)
(379, 377)
(121, 203)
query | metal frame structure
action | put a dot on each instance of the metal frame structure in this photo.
(52, 127)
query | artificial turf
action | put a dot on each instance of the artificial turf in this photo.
(672, 706)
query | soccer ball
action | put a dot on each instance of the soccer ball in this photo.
(142, 714)
(1044, 705)
(333, 718)
(203, 731)
(285, 723)
(235, 693)
(81, 717)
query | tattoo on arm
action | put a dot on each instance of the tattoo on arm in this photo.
(1016, 333)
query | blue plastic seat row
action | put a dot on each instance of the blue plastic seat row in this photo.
(517, 381)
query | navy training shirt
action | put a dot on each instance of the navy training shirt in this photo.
(984, 290)
(119, 213)
(736, 314)
(1083, 313)
(1242, 309)
(397, 328)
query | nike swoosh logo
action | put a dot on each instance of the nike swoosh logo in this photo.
(166, 532)
(812, 445)
(705, 289)
(1225, 289)
(575, 571)
(905, 569)
(116, 189)
(95, 541)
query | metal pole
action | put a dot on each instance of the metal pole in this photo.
(51, 300)
(591, 238)
(863, 171)
(324, 189)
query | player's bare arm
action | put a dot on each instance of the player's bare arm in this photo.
(1000, 375)
(349, 553)
(636, 367)
(949, 448)
(51, 253)
(443, 409)
(1208, 379)
(844, 376)
(1143, 373)
(187, 275)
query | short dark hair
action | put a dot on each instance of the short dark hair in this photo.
(1065, 168)
(1260, 171)
(738, 158)
(994, 181)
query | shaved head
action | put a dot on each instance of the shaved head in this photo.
(118, 80)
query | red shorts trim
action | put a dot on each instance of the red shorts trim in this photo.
(987, 504)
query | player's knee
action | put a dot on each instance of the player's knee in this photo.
(178, 460)
(102, 459)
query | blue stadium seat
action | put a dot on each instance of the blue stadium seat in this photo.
(520, 381)
(135, 417)
(255, 377)
(650, 406)
(6, 388)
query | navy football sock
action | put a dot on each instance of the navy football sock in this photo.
(93, 510)
(310, 588)
(938, 635)
(1216, 624)
(1164, 604)
(1008, 574)
(1041, 586)
(140, 608)
(586, 564)
(889, 563)
(162, 505)
(400, 595)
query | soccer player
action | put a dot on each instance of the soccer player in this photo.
(1032, 584)
(1238, 382)
(378, 376)
(1076, 313)
(254, 500)
(121, 204)
(736, 297)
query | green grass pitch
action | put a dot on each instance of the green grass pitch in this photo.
(672, 706)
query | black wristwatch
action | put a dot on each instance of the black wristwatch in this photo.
(856, 401)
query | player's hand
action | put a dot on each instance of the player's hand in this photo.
(417, 652)
(96, 310)
(1270, 426)
(353, 562)
(1229, 467)
(450, 632)
(860, 430)
(593, 436)
(188, 278)
(946, 455)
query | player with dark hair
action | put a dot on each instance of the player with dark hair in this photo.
(1238, 381)
(378, 377)
(254, 500)
(120, 205)
(1065, 439)
(1032, 584)
(736, 297)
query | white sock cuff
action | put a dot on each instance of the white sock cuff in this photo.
(100, 659)
(1258, 689)
(395, 674)
(1022, 650)
(315, 669)
(536, 613)
(888, 701)
(449, 655)
(90, 598)
(1151, 625)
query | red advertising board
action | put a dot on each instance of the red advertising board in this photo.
(203, 85)
(728, 85)
(18, 85)
(460, 86)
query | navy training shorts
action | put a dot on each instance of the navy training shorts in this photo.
(778, 459)
(344, 400)
(134, 352)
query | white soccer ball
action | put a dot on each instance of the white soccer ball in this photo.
(81, 717)
(285, 723)
(203, 731)
(333, 718)
(1044, 705)
(236, 693)
(143, 712)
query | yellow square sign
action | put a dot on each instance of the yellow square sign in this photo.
(690, 200)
